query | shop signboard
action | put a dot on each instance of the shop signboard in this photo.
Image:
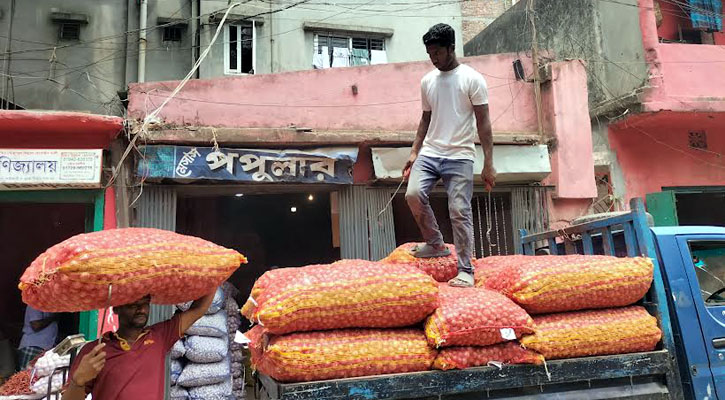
(24, 169)
(330, 165)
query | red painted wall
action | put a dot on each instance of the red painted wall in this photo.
(672, 17)
(57, 130)
(653, 151)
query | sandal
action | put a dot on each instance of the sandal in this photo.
(463, 280)
(428, 251)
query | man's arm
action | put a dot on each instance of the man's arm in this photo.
(196, 311)
(83, 372)
(40, 324)
(485, 135)
(417, 142)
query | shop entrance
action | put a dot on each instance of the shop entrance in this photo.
(688, 206)
(33, 222)
(272, 230)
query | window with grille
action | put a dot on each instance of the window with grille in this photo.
(330, 50)
(172, 34)
(70, 31)
(240, 49)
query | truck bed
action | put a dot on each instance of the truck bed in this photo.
(650, 375)
(630, 376)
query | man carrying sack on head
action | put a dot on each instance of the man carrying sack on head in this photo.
(130, 364)
(455, 106)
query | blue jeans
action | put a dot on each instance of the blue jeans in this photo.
(457, 178)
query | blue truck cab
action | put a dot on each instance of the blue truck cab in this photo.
(687, 297)
(693, 263)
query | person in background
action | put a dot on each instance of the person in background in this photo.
(40, 331)
(455, 108)
(130, 364)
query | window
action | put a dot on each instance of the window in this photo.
(70, 31)
(708, 259)
(240, 56)
(344, 51)
(172, 33)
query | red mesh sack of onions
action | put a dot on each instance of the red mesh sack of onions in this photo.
(548, 284)
(348, 294)
(441, 269)
(281, 275)
(74, 275)
(469, 356)
(594, 333)
(336, 354)
(475, 317)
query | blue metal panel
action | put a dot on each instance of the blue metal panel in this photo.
(693, 342)
(711, 318)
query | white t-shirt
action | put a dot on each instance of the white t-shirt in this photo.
(451, 95)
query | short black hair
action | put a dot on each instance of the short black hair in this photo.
(441, 34)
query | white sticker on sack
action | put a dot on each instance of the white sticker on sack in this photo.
(508, 334)
(241, 339)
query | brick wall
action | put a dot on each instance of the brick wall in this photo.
(477, 14)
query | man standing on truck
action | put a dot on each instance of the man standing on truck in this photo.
(130, 364)
(455, 107)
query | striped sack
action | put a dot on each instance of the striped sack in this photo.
(441, 269)
(356, 294)
(547, 284)
(74, 275)
(276, 275)
(594, 333)
(475, 317)
(313, 356)
(468, 356)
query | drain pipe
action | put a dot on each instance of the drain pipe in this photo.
(143, 16)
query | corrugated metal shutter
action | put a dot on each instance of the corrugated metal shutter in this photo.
(382, 226)
(530, 211)
(362, 234)
(156, 208)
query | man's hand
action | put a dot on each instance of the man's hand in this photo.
(90, 366)
(409, 165)
(488, 175)
(196, 311)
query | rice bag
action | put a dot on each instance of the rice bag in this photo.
(195, 374)
(217, 391)
(178, 350)
(210, 325)
(206, 349)
(175, 368)
(178, 393)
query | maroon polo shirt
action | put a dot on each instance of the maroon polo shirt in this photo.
(137, 371)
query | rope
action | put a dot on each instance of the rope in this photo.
(480, 228)
(105, 312)
(391, 199)
(488, 224)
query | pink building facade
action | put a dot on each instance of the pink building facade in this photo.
(375, 110)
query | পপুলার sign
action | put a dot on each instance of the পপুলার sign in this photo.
(50, 168)
(331, 165)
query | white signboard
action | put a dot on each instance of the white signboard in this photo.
(49, 169)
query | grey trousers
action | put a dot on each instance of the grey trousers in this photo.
(457, 176)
